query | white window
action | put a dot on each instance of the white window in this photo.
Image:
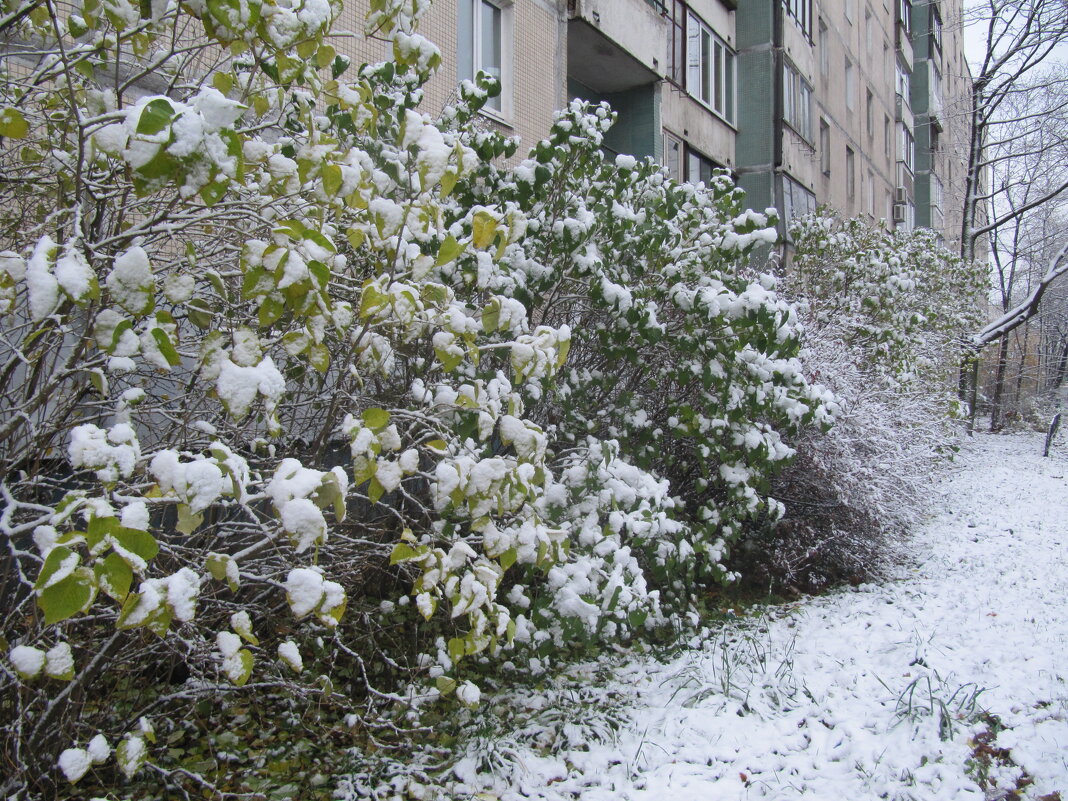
(683, 163)
(850, 85)
(709, 68)
(907, 153)
(936, 88)
(904, 15)
(937, 193)
(801, 11)
(483, 39)
(673, 156)
(824, 46)
(851, 174)
(796, 101)
(904, 84)
(871, 193)
(797, 201)
(825, 147)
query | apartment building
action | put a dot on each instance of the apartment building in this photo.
(523, 43)
(855, 104)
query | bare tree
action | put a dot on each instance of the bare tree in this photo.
(1016, 154)
(1018, 97)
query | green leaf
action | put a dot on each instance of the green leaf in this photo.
(218, 564)
(320, 272)
(12, 124)
(163, 342)
(375, 419)
(212, 193)
(223, 81)
(136, 541)
(507, 559)
(68, 597)
(403, 552)
(438, 445)
(199, 312)
(131, 757)
(375, 491)
(491, 316)
(319, 356)
(271, 309)
(155, 116)
(483, 229)
(340, 64)
(60, 563)
(187, 521)
(444, 684)
(448, 251)
(332, 179)
(246, 659)
(448, 183)
(114, 576)
(456, 649)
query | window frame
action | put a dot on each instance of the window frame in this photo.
(687, 155)
(711, 79)
(800, 11)
(796, 101)
(851, 174)
(468, 65)
(825, 147)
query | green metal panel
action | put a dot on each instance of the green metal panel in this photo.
(759, 189)
(923, 200)
(637, 127)
(756, 106)
(753, 23)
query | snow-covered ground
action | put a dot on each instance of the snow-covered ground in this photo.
(950, 682)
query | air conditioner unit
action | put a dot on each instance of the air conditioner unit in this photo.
(901, 196)
(899, 211)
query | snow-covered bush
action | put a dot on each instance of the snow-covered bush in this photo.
(882, 313)
(307, 407)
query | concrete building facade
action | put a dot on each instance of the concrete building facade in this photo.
(852, 104)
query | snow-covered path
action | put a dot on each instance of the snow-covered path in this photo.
(878, 692)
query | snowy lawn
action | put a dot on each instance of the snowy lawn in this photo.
(947, 683)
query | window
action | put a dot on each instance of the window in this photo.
(483, 47)
(796, 101)
(868, 39)
(673, 156)
(907, 153)
(850, 10)
(936, 89)
(851, 175)
(796, 200)
(904, 15)
(903, 84)
(936, 28)
(871, 193)
(824, 46)
(677, 43)
(801, 12)
(699, 169)
(850, 85)
(937, 192)
(683, 163)
(709, 68)
(825, 147)
(869, 112)
(887, 134)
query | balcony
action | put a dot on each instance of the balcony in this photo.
(903, 111)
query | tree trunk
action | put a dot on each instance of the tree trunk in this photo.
(999, 385)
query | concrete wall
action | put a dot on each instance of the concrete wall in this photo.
(537, 29)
